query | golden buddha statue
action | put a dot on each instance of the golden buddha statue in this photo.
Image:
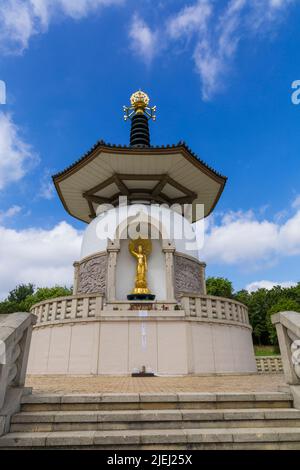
(141, 249)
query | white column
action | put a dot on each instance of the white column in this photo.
(76, 274)
(113, 248)
(203, 281)
(169, 250)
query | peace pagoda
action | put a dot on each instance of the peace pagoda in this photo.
(139, 303)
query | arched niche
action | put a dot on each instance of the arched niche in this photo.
(160, 270)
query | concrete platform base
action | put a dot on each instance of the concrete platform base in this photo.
(161, 342)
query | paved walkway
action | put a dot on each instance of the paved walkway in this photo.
(99, 384)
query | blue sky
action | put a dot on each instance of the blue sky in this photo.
(220, 73)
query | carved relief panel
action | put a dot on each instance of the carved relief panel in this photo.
(92, 275)
(189, 276)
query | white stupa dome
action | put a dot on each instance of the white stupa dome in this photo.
(171, 225)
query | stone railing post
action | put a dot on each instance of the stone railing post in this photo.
(288, 332)
(15, 337)
(185, 304)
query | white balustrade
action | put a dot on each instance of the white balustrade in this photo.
(212, 308)
(288, 332)
(15, 337)
(269, 364)
(73, 307)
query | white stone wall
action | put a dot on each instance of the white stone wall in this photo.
(178, 230)
(171, 346)
(221, 348)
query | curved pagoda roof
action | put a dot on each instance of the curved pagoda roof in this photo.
(160, 174)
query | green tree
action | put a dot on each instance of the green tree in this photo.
(294, 293)
(258, 307)
(243, 296)
(219, 286)
(20, 293)
(23, 297)
(282, 305)
(44, 293)
(11, 307)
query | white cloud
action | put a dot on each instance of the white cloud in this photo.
(218, 33)
(2, 92)
(296, 202)
(289, 236)
(80, 8)
(21, 19)
(46, 190)
(9, 213)
(190, 19)
(253, 286)
(279, 3)
(16, 156)
(241, 239)
(143, 39)
(44, 257)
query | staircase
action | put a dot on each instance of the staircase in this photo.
(165, 421)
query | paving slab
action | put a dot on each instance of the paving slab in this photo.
(161, 415)
(120, 397)
(116, 437)
(40, 398)
(197, 397)
(247, 383)
(33, 417)
(286, 413)
(209, 435)
(70, 438)
(247, 413)
(256, 435)
(165, 436)
(203, 415)
(21, 439)
(289, 434)
(275, 396)
(235, 396)
(81, 398)
(76, 417)
(157, 397)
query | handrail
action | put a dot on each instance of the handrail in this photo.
(15, 337)
(68, 308)
(209, 307)
(288, 332)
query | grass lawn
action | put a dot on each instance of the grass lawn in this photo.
(266, 351)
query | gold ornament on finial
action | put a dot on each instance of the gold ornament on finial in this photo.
(139, 105)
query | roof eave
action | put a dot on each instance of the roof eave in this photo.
(102, 146)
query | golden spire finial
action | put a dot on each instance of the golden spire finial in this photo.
(139, 105)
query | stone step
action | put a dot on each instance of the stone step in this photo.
(206, 438)
(46, 421)
(154, 401)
